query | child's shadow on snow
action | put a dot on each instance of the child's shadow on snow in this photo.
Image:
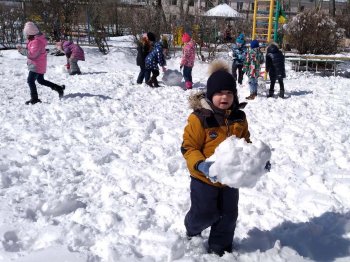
(199, 85)
(94, 73)
(81, 95)
(320, 239)
(300, 93)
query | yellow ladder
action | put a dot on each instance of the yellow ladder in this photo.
(263, 20)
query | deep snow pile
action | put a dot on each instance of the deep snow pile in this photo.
(98, 176)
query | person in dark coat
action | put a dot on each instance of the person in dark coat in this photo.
(276, 68)
(143, 49)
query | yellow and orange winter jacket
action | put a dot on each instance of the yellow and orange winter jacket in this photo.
(207, 127)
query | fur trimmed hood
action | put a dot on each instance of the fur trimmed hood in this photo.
(198, 101)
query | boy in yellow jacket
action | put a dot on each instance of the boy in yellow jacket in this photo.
(216, 115)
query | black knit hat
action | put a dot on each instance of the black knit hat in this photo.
(151, 37)
(219, 81)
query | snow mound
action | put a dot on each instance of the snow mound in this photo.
(238, 163)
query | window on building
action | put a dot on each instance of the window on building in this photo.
(239, 6)
(173, 2)
(252, 5)
(191, 2)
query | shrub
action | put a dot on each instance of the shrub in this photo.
(314, 32)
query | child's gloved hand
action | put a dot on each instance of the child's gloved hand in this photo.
(181, 66)
(67, 66)
(204, 168)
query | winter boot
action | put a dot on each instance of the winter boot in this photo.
(33, 98)
(33, 101)
(213, 249)
(59, 90)
(219, 253)
(188, 85)
(251, 96)
(149, 82)
(189, 236)
(270, 93)
(75, 73)
(155, 81)
(281, 94)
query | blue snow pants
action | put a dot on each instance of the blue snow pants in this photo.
(253, 85)
(216, 208)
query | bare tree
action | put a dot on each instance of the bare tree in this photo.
(11, 26)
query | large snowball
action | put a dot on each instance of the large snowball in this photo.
(172, 77)
(238, 163)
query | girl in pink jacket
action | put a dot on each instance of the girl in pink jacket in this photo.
(37, 61)
(74, 53)
(187, 60)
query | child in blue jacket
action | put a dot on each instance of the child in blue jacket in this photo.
(239, 51)
(155, 57)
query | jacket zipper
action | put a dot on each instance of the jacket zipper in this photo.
(227, 113)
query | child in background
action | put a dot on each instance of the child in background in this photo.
(187, 60)
(239, 51)
(252, 67)
(143, 49)
(37, 62)
(165, 44)
(154, 58)
(216, 116)
(276, 68)
(74, 53)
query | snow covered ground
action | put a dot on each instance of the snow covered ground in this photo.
(99, 176)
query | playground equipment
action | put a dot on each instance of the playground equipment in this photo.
(267, 15)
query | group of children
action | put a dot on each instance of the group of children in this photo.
(151, 53)
(36, 54)
(217, 114)
(250, 62)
